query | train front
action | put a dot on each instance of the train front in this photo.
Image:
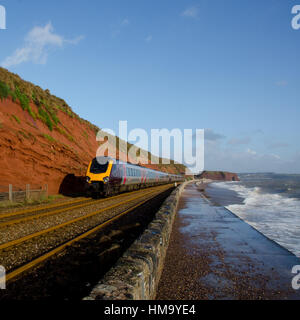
(97, 176)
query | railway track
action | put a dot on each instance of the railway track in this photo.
(30, 214)
(24, 253)
(33, 213)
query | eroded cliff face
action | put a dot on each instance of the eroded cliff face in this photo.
(31, 154)
(42, 141)
(219, 175)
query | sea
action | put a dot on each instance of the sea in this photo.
(267, 201)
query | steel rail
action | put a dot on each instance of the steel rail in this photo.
(62, 225)
(69, 208)
(17, 213)
(13, 274)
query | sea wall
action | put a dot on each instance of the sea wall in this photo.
(137, 273)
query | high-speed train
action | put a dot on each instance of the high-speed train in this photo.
(106, 176)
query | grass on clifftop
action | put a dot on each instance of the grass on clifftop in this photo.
(11, 85)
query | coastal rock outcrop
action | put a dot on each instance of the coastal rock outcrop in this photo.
(219, 175)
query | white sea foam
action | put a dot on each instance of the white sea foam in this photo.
(276, 216)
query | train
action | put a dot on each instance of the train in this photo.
(107, 176)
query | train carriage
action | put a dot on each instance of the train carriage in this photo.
(107, 176)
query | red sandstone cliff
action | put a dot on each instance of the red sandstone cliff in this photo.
(42, 140)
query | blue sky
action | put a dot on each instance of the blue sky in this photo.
(230, 67)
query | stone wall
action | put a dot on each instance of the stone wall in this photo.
(136, 274)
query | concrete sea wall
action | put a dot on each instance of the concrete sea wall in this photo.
(137, 273)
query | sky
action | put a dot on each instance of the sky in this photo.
(229, 67)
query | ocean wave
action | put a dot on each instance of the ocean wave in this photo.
(275, 215)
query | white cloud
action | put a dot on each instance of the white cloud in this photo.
(125, 22)
(275, 156)
(117, 28)
(252, 152)
(191, 12)
(149, 38)
(219, 157)
(75, 40)
(223, 156)
(282, 83)
(37, 44)
(278, 145)
(239, 141)
(212, 136)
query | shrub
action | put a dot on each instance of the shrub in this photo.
(24, 100)
(16, 118)
(85, 135)
(13, 96)
(70, 138)
(49, 124)
(4, 90)
(32, 114)
(44, 116)
(49, 138)
(54, 116)
(23, 133)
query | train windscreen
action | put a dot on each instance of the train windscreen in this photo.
(97, 167)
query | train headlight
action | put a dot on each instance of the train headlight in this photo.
(105, 180)
(88, 179)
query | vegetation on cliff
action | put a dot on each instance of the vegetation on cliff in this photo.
(11, 85)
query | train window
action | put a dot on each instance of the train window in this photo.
(97, 167)
(114, 171)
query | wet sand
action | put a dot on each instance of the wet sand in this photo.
(222, 196)
(215, 255)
